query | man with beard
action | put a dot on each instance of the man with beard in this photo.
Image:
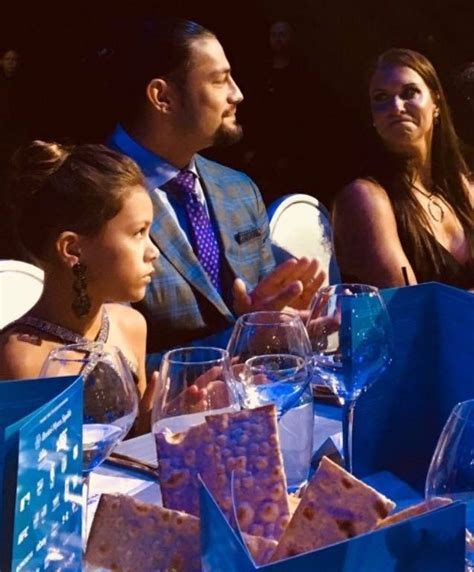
(210, 223)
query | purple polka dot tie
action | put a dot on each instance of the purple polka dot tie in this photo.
(204, 238)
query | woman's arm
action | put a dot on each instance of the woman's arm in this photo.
(366, 236)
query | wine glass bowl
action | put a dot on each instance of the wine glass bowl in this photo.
(268, 332)
(193, 382)
(273, 378)
(110, 404)
(451, 471)
(351, 339)
(350, 334)
(110, 395)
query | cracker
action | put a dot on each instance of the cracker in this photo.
(128, 535)
(293, 502)
(246, 444)
(260, 548)
(415, 510)
(181, 457)
(335, 506)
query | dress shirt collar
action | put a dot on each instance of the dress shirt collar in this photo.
(156, 169)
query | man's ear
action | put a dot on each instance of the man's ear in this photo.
(68, 248)
(160, 94)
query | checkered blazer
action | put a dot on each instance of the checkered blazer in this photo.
(181, 304)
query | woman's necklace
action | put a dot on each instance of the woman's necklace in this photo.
(435, 206)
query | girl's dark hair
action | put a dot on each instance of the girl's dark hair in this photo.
(449, 172)
(53, 188)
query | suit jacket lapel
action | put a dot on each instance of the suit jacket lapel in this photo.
(170, 240)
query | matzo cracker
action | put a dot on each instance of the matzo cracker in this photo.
(246, 444)
(181, 457)
(128, 535)
(260, 548)
(414, 510)
(335, 506)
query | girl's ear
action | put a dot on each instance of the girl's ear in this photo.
(68, 248)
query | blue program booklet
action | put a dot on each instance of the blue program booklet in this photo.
(40, 473)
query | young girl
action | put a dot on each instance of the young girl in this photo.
(83, 215)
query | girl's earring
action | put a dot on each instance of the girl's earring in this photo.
(81, 303)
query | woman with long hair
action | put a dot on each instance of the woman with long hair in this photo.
(410, 218)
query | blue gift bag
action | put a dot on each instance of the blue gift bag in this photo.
(431, 542)
(399, 419)
(40, 472)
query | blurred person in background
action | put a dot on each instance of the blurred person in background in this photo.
(12, 120)
(278, 121)
(462, 98)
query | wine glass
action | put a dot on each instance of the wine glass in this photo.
(351, 338)
(110, 399)
(270, 354)
(451, 472)
(193, 382)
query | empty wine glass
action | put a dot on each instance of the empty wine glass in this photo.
(451, 472)
(269, 352)
(193, 382)
(351, 337)
(110, 399)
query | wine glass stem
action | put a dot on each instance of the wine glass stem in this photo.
(85, 498)
(348, 409)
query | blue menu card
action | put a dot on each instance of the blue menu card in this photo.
(40, 473)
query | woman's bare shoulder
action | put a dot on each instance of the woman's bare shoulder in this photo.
(363, 191)
(362, 198)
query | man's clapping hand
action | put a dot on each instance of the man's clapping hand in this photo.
(293, 283)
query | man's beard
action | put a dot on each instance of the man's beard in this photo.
(226, 136)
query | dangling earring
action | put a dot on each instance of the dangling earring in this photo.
(81, 303)
(436, 117)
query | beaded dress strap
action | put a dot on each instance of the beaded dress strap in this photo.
(64, 334)
(70, 337)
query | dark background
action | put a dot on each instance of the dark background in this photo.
(72, 91)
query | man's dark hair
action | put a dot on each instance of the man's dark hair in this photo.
(158, 49)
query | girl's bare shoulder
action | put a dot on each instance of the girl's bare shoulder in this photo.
(127, 318)
(22, 353)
